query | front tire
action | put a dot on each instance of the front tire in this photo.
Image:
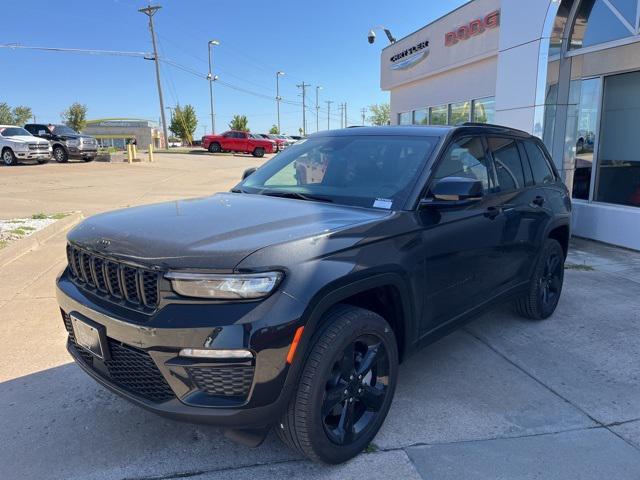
(214, 148)
(345, 389)
(258, 152)
(8, 157)
(545, 286)
(60, 154)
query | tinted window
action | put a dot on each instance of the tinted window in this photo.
(368, 171)
(465, 158)
(542, 172)
(506, 158)
(13, 132)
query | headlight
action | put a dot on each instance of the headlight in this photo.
(21, 146)
(72, 143)
(224, 287)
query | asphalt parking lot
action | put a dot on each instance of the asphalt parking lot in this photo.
(502, 398)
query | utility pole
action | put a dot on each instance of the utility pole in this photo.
(304, 106)
(318, 88)
(278, 98)
(363, 111)
(346, 122)
(328, 102)
(211, 79)
(150, 11)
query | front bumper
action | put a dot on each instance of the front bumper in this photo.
(33, 155)
(83, 152)
(145, 368)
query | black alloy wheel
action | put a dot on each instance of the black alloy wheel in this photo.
(356, 389)
(346, 387)
(258, 152)
(214, 148)
(545, 285)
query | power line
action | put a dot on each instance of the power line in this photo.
(119, 53)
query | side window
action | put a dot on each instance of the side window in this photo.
(528, 177)
(507, 161)
(465, 157)
(542, 172)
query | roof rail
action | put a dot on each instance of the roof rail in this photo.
(481, 124)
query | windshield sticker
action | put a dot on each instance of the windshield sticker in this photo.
(383, 203)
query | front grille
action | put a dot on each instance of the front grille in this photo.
(116, 281)
(129, 368)
(230, 381)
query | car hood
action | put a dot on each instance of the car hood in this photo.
(215, 232)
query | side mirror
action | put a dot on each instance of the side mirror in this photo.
(248, 172)
(454, 191)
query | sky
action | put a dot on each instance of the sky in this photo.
(321, 43)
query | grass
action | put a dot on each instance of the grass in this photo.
(3, 243)
(21, 231)
(583, 267)
(44, 216)
(371, 448)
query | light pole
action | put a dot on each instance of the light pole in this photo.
(211, 79)
(278, 74)
(318, 88)
(328, 102)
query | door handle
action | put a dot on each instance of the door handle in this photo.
(539, 201)
(492, 212)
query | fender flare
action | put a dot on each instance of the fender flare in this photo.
(333, 294)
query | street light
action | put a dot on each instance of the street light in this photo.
(278, 74)
(211, 79)
(318, 88)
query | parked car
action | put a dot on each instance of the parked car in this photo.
(295, 137)
(17, 144)
(66, 142)
(290, 301)
(235, 141)
(263, 136)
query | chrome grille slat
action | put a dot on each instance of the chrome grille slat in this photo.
(116, 281)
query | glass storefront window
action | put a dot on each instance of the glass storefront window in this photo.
(404, 118)
(483, 110)
(618, 179)
(459, 112)
(583, 130)
(438, 115)
(421, 117)
(596, 23)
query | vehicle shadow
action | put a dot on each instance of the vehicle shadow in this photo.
(60, 424)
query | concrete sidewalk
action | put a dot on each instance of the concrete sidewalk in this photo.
(502, 398)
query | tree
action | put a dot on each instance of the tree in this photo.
(21, 114)
(240, 123)
(274, 130)
(75, 116)
(184, 122)
(380, 114)
(6, 117)
(14, 116)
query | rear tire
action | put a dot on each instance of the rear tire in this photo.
(545, 287)
(88, 159)
(345, 389)
(258, 152)
(43, 161)
(60, 154)
(214, 148)
(8, 157)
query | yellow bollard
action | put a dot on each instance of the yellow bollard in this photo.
(151, 152)
(135, 151)
(129, 153)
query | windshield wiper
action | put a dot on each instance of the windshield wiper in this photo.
(297, 195)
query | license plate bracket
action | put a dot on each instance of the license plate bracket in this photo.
(90, 336)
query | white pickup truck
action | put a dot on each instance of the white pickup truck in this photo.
(17, 144)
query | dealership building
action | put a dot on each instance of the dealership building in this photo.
(567, 71)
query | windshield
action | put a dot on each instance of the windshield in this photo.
(365, 171)
(64, 130)
(13, 132)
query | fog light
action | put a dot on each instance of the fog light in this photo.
(214, 353)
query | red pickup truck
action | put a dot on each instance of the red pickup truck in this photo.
(235, 141)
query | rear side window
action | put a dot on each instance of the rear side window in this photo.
(542, 172)
(508, 164)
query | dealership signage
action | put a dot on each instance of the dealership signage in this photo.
(472, 29)
(410, 56)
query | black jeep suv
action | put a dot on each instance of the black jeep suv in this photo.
(65, 142)
(290, 301)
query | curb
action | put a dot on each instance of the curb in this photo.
(25, 245)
